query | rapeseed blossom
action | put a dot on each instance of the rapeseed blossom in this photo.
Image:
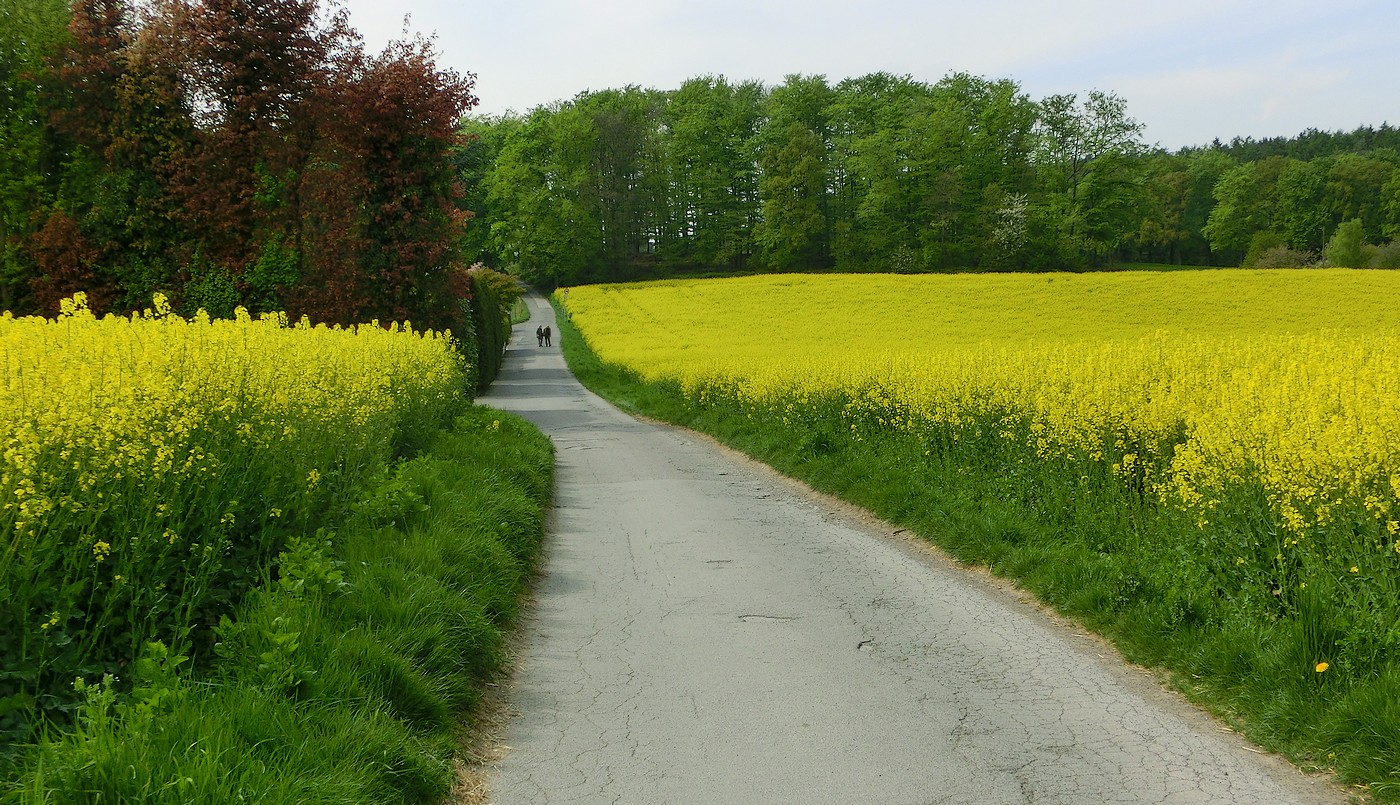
(85, 402)
(140, 454)
(1194, 384)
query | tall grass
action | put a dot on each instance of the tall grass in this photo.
(344, 676)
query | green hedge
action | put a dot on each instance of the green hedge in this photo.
(491, 321)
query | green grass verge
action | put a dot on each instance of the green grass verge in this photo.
(1086, 544)
(346, 677)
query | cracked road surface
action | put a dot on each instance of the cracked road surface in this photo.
(708, 632)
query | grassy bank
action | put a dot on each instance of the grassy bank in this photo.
(1276, 657)
(344, 677)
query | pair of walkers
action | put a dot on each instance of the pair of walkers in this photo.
(542, 336)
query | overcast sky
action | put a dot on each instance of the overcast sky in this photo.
(1190, 70)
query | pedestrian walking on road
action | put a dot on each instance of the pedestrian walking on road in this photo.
(546, 336)
(539, 335)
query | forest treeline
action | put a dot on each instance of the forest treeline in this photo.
(226, 153)
(251, 152)
(886, 173)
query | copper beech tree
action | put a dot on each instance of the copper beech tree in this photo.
(244, 152)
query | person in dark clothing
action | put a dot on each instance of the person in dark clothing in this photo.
(546, 336)
(539, 335)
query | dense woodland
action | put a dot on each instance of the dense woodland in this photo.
(883, 172)
(251, 152)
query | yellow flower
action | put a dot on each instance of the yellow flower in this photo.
(145, 417)
(1193, 402)
(1321, 667)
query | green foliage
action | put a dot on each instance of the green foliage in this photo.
(707, 156)
(308, 567)
(277, 268)
(1384, 256)
(793, 229)
(30, 32)
(1259, 243)
(344, 680)
(1244, 205)
(491, 322)
(209, 288)
(1281, 257)
(1346, 247)
(883, 172)
(1084, 153)
(1303, 217)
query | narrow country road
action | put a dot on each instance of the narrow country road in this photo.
(708, 632)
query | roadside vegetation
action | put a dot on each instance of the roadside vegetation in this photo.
(1201, 466)
(249, 561)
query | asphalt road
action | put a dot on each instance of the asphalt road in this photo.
(709, 632)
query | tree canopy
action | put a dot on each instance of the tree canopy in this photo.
(886, 173)
(227, 153)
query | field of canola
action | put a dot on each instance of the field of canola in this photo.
(151, 466)
(1260, 405)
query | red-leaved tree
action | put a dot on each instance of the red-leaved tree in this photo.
(384, 156)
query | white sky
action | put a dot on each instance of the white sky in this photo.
(1190, 70)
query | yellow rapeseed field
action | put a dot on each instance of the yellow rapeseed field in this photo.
(150, 464)
(1196, 383)
(84, 402)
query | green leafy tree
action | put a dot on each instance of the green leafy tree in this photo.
(535, 199)
(482, 138)
(1347, 246)
(625, 181)
(794, 231)
(1246, 203)
(1072, 139)
(712, 198)
(1390, 207)
(972, 142)
(1355, 188)
(872, 197)
(1302, 219)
